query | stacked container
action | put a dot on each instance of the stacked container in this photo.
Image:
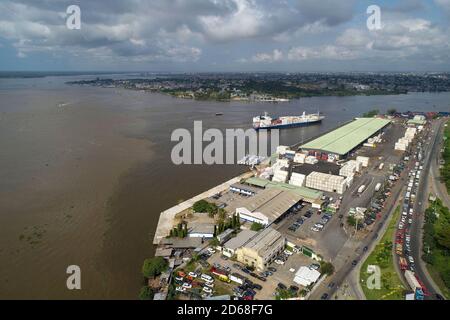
(299, 158)
(363, 160)
(297, 179)
(326, 182)
(280, 176)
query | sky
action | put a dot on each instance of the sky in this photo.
(225, 36)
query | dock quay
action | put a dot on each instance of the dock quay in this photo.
(167, 217)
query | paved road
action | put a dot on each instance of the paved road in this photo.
(353, 250)
(431, 153)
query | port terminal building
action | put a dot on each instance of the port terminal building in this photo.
(340, 142)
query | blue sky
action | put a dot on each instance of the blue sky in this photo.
(225, 35)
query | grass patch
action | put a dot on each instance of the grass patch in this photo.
(436, 244)
(445, 171)
(391, 285)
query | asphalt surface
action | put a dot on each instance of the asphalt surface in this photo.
(353, 250)
(431, 152)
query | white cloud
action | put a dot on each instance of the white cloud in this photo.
(275, 56)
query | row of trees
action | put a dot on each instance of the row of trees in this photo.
(375, 112)
(180, 231)
(234, 222)
(151, 268)
(445, 171)
(436, 239)
(203, 206)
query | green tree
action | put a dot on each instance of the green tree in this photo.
(351, 221)
(146, 293)
(154, 266)
(238, 221)
(392, 111)
(256, 226)
(371, 113)
(327, 268)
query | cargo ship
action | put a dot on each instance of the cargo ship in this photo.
(267, 122)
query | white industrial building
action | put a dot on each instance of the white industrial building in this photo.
(326, 182)
(229, 248)
(268, 205)
(306, 276)
(201, 230)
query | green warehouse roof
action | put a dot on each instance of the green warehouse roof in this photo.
(302, 191)
(417, 122)
(344, 139)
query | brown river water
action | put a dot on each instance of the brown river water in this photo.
(85, 172)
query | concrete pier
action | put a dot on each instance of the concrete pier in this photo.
(167, 217)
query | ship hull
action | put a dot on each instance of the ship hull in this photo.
(289, 125)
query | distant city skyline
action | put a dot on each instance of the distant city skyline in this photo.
(225, 36)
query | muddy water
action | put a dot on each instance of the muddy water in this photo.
(84, 173)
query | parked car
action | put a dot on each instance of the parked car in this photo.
(314, 266)
(280, 262)
(187, 285)
(324, 296)
(257, 286)
(281, 286)
(272, 269)
(180, 289)
(287, 252)
(193, 274)
(207, 290)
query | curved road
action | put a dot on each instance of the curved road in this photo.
(431, 153)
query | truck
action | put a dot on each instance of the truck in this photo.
(361, 189)
(412, 280)
(378, 186)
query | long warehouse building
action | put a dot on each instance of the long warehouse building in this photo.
(343, 140)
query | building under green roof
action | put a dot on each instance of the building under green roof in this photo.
(417, 122)
(258, 182)
(344, 139)
(304, 192)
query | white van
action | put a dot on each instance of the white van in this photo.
(206, 277)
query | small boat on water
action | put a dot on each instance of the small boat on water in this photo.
(219, 114)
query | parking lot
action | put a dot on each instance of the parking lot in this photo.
(284, 274)
(327, 242)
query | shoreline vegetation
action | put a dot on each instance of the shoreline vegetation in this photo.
(436, 244)
(273, 87)
(382, 256)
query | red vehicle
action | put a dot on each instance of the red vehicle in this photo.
(403, 263)
(218, 272)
